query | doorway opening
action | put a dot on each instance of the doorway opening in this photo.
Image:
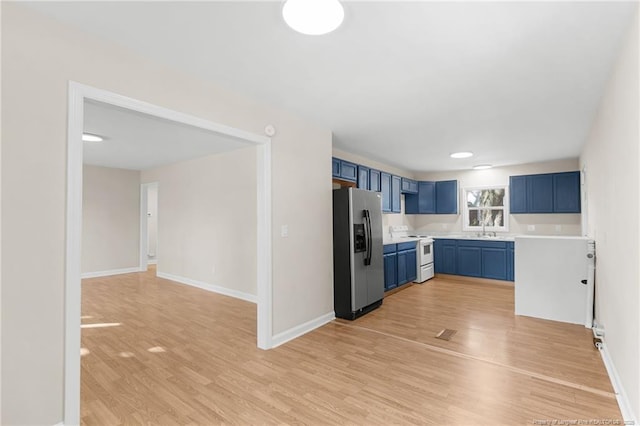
(79, 95)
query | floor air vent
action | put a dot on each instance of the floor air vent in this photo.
(446, 334)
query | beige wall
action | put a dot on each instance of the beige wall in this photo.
(545, 224)
(611, 159)
(39, 57)
(208, 224)
(110, 219)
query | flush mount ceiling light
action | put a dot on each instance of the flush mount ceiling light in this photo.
(88, 137)
(313, 17)
(463, 154)
(482, 167)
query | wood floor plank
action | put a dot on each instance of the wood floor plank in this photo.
(184, 356)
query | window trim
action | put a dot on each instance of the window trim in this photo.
(465, 209)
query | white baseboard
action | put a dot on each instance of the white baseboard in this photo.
(59, 424)
(210, 287)
(621, 396)
(301, 329)
(110, 272)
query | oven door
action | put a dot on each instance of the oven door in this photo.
(426, 252)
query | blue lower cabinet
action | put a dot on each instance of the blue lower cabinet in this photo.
(412, 265)
(469, 261)
(402, 267)
(449, 263)
(399, 264)
(510, 261)
(494, 263)
(390, 271)
(475, 258)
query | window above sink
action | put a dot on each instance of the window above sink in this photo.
(486, 209)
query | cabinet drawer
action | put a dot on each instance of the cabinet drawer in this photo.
(407, 246)
(389, 248)
(483, 244)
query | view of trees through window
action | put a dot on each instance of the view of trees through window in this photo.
(486, 207)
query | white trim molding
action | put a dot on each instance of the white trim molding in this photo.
(301, 329)
(209, 287)
(78, 94)
(628, 415)
(110, 272)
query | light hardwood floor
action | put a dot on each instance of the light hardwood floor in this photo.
(182, 355)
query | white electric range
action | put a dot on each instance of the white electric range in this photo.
(424, 258)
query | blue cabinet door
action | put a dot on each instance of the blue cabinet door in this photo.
(469, 261)
(449, 258)
(510, 262)
(412, 266)
(335, 167)
(348, 171)
(566, 192)
(409, 186)
(427, 200)
(395, 193)
(518, 194)
(390, 271)
(374, 180)
(540, 193)
(494, 263)
(447, 197)
(402, 267)
(438, 259)
(363, 177)
(385, 184)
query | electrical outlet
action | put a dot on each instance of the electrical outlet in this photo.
(284, 231)
(531, 227)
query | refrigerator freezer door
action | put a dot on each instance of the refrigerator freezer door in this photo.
(375, 271)
(359, 298)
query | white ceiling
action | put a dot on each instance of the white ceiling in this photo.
(138, 141)
(405, 83)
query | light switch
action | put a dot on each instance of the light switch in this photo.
(284, 231)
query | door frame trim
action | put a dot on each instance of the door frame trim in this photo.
(78, 93)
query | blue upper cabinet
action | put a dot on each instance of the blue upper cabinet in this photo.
(545, 193)
(344, 170)
(518, 194)
(540, 193)
(566, 192)
(395, 193)
(374, 180)
(335, 167)
(363, 177)
(385, 187)
(447, 197)
(409, 186)
(424, 202)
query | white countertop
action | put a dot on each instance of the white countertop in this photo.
(389, 240)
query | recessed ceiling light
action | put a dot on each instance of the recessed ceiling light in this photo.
(463, 154)
(313, 17)
(482, 166)
(88, 137)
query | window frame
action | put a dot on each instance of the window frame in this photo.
(465, 209)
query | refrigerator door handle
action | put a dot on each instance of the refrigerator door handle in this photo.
(367, 221)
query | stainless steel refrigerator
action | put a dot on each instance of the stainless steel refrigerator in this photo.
(358, 271)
